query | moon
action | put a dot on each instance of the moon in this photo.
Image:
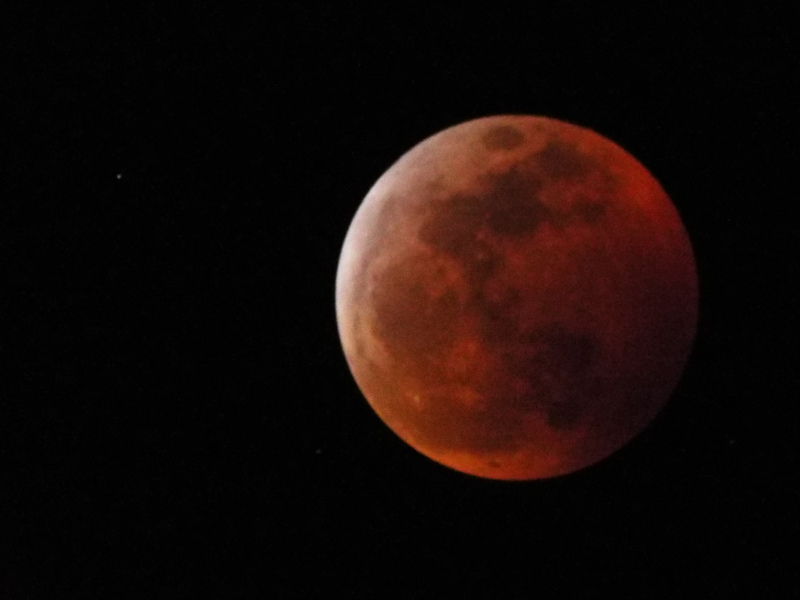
(516, 297)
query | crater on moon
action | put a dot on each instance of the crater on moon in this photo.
(503, 137)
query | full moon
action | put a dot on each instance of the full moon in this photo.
(516, 297)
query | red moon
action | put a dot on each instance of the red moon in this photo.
(517, 297)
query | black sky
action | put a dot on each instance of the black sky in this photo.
(177, 416)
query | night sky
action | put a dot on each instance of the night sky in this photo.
(177, 417)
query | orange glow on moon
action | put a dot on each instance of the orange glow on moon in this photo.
(516, 297)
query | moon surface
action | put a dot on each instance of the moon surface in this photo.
(516, 297)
